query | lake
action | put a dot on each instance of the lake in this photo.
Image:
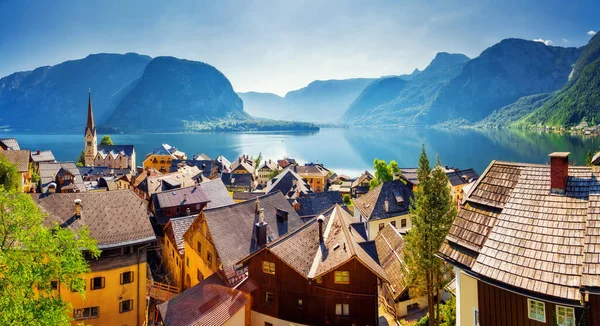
(348, 151)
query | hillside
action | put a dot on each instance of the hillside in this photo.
(401, 100)
(500, 76)
(511, 113)
(266, 105)
(580, 98)
(172, 92)
(43, 99)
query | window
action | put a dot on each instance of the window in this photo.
(89, 143)
(172, 253)
(342, 277)
(177, 261)
(126, 277)
(393, 223)
(565, 316)
(127, 250)
(199, 275)
(187, 261)
(380, 226)
(97, 283)
(125, 306)
(199, 247)
(268, 324)
(414, 306)
(342, 309)
(320, 280)
(536, 310)
(269, 296)
(268, 267)
(300, 302)
(403, 223)
(476, 317)
(54, 285)
(85, 313)
(209, 259)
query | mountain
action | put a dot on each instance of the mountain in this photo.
(511, 113)
(579, 99)
(404, 99)
(266, 105)
(500, 76)
(172, 92)
(53, 97)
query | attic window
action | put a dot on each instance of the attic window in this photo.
(281, 215)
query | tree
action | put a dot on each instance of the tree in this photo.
(80, 159)
(32, 258)
(432, 213)
(448, 312)
(273, 174)
(9, 174)
(383, 172)
(257, 160)
(106, 140)
(588, 158)
(347, 200)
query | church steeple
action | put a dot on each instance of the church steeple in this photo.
(91, 142)
(90, 115)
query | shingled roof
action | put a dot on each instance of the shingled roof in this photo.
(316, 203)
(290, 184)
(209, 303)
(410, 175)
(459, 177)
(372, 204)
(114, 218)
(514, 231)
(389, 243)
(42, 156)
(9, 144)
(18, 158)
(48, 171)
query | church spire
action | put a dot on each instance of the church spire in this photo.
(90, 118)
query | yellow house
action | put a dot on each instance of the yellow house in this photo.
(160, 158)
(116, 286)
(457, 179)
(243, 165)
(20, 158)
(314, 174)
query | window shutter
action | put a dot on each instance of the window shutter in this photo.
(102, 282)
(338, 309)
(122, 277)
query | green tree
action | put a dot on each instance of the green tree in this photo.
(347, 200)
(274, 174)
(448, 312)
(80, 159)
(383, 172)
(9, 174)
(257, 160)
(32, 258)
(588, 158)
(106, 140)
(432, 213)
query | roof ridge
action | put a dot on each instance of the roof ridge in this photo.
(243, 202)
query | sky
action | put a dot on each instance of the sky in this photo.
(278, 46)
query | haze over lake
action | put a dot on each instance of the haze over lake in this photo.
(347, 151)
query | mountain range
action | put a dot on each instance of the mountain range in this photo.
(512, 83)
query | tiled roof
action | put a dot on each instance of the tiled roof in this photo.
(513, 230)
(284, 183)
(205, 166)
(208, 303)
(185, 177)
(48, 171)
(142, 176)
(114, 218)
(101, 171)
(458, 177)
(389, 243)
(19, 158)
(182, 196)
(202, 157)
(232, 227)
(269, 164)
(179, 226)
(243, 196)
(372, 204)
(311, 170)
(223, 163)
(217, 193)
(244, 180)
(115, 150)
(410, 175)
(10, 143)
(244, 162)
(366, 176)
(43, 156)
(316, 203)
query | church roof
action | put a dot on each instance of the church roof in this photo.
(90, 117)
(115, 150)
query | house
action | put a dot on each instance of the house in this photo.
(178, 202)
(265, 171)
(186, 176)
(316, 203)
(222, 164)
(113, 156)
(9, 144)
(315, 174)
(116, 284)
(243, 196)
(525, 246)
(290, 184)
(389, 202)
(93, 173)
(160, 159)
(332, 280)
(204, 163)
(20, 158)
(222, 236)
(42, 156)
(210, 302)
(56, 174)
(286, 162)
(173, 251)
(457, 179)
(137, 181)
(361, 185)
(409, 175)
(243, 165)
(236, 182)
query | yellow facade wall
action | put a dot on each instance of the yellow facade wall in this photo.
(373, 226)
(198, 261)
(466, 299)
(108, 298)
(173, 261)
(160, 163)
(316, 183)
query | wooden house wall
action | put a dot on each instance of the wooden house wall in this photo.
(318, 300)
(594, 310)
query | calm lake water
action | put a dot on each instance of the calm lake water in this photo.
(347, 151)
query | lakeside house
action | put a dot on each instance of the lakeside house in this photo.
(290, 184)
(154, 182)
(60, 177)
(20, 158)
(39, 156)
(9, 144)
(161, 157)
(525, 246)
(316, 203)
(315, 174)
(265, 171)
(207, 166)
(457, 179)
(361, 185)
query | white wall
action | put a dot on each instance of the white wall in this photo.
(259, 319)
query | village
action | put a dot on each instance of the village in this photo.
(195, 240)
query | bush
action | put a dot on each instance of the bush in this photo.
(347, 199)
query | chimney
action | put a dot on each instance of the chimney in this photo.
(296, 205)
(559, 172)
(261, 228)
(52, 187)
(78, 208)
(387, 205)
(257, 206)
(184, 198)
(188, 211)
(37, 151)
(321, 219)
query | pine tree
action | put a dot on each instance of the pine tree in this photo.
(432, 213)
(588, 158)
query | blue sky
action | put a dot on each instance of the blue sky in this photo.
(277, 46)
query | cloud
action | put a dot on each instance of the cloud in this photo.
(566, 41)
(547, 42)
(591, 33)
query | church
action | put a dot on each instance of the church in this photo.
(112, 156)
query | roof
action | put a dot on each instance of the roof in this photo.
(205, 166)
(365, 176)
(114, 218)
(232, 227)
(181, 196)
(559, 154)
(313, 170)
(217, 193)
(167, 150)
(202, 157)
(340, 245)
(185, 177)
(596, 159)
(20, 158)
(459, 177)
(514, 231)
(389, 243)
(43, 156)
(223, 163)
(244, 162)
(244, 180)
(49, 170)
(289, 183)
(410, 175)
(179, 226)
(242, 196)
(10, 144)
(269, 164)
(101, 171)
(372, 204)
(115, 150)
(208, 303)
(316, 203)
